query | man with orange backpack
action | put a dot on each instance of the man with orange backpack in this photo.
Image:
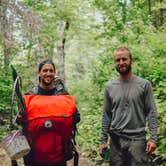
(50, 120)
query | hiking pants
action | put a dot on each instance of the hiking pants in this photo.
(128, 152)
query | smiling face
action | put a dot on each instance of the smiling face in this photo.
(122, 62)
(46, 75)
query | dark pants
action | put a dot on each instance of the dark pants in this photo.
(29, 161)
(128, 152)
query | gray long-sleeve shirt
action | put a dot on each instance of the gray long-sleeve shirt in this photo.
(129, 119)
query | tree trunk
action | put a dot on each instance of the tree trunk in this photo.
(124, 11)
(61, 29)
(149, 7)
(5, 32)
(162, 14)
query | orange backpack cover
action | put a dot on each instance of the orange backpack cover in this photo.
(50, 126)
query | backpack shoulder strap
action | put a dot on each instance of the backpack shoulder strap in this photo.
(32, 91)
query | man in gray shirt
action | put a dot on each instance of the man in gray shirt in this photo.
(128, 103)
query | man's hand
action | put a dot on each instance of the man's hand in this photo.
(151, 146)
(101, 148)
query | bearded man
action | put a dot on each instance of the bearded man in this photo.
(128, 104)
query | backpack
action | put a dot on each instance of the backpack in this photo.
(50, 127)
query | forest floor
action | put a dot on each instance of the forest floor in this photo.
(5, 160)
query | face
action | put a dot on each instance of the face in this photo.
(122, 62)
(47, 74)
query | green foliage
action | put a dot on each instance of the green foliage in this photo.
(96, 28)
(148, 47)
(5, 98)
(5, 91)
(161, 151)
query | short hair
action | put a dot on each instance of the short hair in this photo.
(47, 61)
(123, 48)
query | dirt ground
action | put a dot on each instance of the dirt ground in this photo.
(5, 160)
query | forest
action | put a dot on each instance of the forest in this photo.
(80, 36)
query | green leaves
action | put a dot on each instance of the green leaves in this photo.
(5, 91)
(96, 28)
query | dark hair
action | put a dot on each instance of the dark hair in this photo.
(122, 48)
(47, 61)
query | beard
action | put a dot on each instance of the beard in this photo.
(45, 82)
(127, 69)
